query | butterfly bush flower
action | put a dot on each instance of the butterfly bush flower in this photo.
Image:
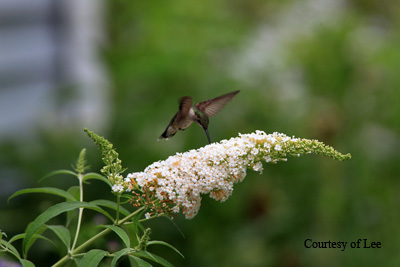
(112, 168)
(179, 181)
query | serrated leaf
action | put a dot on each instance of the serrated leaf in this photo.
(26, 263)
(47, 190)
(52, 212)
(62, 232)
(153, 257)
(92, 258)
(156, 242)
(111, 205)
(121, 233)
(119, 254)
(140, 262)
(93, 175)
(56, 173)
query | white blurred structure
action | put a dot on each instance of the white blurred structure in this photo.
(50, 73)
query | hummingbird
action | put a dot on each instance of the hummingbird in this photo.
(199, 113)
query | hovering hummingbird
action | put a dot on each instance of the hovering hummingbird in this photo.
(199, 113)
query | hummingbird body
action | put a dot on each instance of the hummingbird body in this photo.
(199, 113)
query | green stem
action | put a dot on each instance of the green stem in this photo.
(10, 251)
(94, 238)
(78, 227)
(118, 204)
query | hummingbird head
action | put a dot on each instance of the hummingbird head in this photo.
(203, 122)
(202, 119)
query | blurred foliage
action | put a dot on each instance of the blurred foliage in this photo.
(347, 95)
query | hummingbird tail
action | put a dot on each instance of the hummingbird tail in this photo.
(208, 136)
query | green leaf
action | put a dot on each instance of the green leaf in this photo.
(47, 190)
(111, 205)
(153, 257)
(119, 254)
(155, 242)
(92, 258)
(140, 262)
(10, 247)
(76, 260)
(39, 235)
(173, 222)
(35, 236)
(131, 230)
(53, 212)
(56, 173)
(26, 263)
(93, 175)
(62, 232)
(75, 192)
(16, 237)
(137, 222)
(121, 233)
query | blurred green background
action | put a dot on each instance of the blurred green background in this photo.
(318, 69)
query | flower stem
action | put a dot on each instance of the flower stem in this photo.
(94, 238)
(78, 227)
(118, 204)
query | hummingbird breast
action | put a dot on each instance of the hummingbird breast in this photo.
(186, 121)
(185, 124)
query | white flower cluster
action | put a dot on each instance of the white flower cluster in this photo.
(117, 188)
(120, 184)
(212, 169)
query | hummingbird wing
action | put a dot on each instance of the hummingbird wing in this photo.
(185, 104)
(178, 121)
(170, 130)
(212, 106)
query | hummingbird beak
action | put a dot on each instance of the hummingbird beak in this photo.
(208, 136)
